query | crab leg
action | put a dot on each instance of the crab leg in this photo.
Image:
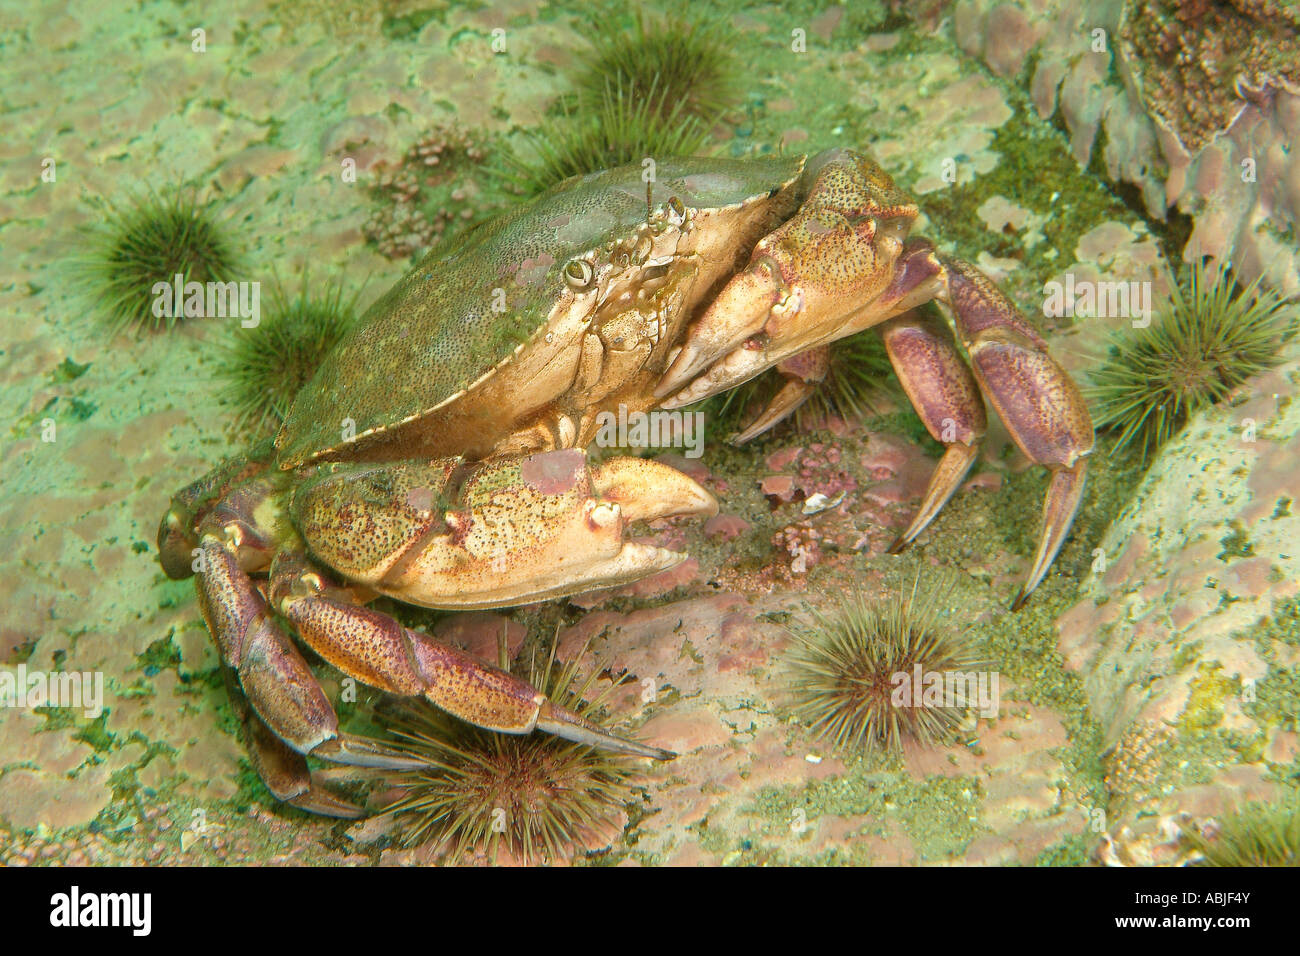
(1035, 398)
(283, 769)
(377, 650)
(275, 678)
(803, 373)
(945, 395)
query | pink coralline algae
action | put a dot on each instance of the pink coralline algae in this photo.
(426, 194)
(803, 543)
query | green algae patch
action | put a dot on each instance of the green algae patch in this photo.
(1236, 544)
(408, 27)
(1037, 171)
(1074, 850)
(1282, 626)
(940, 815)
(162, 654)
(1206, 693)
(1277, 697)
(1185, 655)
(68, 371)
(96, 733)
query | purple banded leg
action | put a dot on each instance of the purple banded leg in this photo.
(375, 649)
(276, 681)
(284, 771)
(945, 395)
(1035, 398)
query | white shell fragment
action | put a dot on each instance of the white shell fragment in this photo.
(819, 502)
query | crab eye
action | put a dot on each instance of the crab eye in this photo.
(677, 210)
(578, 274)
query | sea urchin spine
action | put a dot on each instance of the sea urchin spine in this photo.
(869, 676)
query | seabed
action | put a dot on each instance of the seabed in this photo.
(1149, 688)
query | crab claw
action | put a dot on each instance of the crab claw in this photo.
(507, 532)
(647, 489)
(816, 278)
(803, 373)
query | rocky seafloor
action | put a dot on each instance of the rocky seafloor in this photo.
(1151, 685)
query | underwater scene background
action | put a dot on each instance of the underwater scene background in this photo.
(1125, 170)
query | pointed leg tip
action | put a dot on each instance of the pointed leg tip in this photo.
(320, 801)
(362, 752)
(1022, 598)
(564, 723)
(899, 546)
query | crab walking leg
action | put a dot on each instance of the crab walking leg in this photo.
(1035, 398)
(276, 680)
(803, 373)
(377, 650)
(282, 769)
(945, 395)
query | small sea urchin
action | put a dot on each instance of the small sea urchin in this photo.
(149, 239)
(865, 675)
(1258, 834)
(1204, 343)
(679, 67)
(621, 129)
(653, 92)
(536, 795)
(267, 365)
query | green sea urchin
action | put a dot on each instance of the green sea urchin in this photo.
(677, 67)
(653, 92)
(152, 238)
(1258, 834)
(862, 674)
(622, 129)
(536, 795)
(1202, 345)
(267, 365)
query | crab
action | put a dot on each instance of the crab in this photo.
(438, 457)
